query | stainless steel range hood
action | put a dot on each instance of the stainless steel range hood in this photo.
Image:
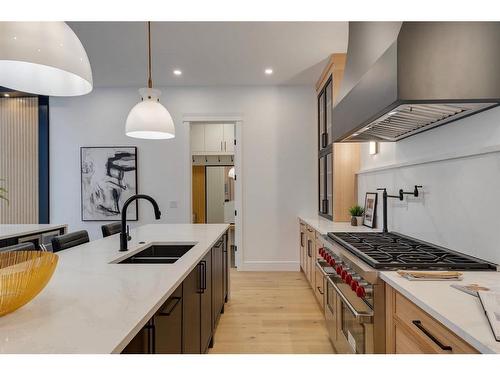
(404, 78)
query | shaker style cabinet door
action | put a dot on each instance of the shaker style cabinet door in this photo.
(214, 137)
(228, 137)
(198, 138)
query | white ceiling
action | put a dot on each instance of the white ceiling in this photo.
(210, 53)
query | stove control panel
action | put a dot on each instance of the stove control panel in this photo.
(344, 272)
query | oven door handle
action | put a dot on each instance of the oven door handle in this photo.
(360, 317)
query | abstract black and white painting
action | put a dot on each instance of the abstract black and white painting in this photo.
(109, 178)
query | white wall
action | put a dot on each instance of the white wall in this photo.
(460, 205)
(279, 166)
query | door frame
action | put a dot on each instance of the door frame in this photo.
(237, 119)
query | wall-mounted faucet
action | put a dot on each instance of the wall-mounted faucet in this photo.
(400, 196)
(124, 234)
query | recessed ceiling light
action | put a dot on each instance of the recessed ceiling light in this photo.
(6, 95)
(177, 72)
(268, 71)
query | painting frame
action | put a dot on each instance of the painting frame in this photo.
(370, 214)
(135, 213)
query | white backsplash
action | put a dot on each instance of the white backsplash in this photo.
(460, 204)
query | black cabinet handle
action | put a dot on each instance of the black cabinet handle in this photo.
(200, 278)
(419, 325)
(150, 327)
(319, 290)
(204, 276)
(301, 239)
(172, 303)
(309, 242)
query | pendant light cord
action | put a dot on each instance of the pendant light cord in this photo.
(150, 80)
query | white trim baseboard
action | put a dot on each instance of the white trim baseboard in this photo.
(263, 265)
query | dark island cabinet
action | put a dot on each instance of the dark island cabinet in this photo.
(191, 312)
(207, 327)
(187, 320)
(163, 333)
(219, 278)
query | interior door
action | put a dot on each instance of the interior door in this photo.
(215, 194)
(214, 137)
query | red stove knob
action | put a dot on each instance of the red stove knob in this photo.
(339, 270)
(327, 257)
(322, 251)
(343, 275)
(360, 291)
(348, 279)
(331, 262)
(354, 285)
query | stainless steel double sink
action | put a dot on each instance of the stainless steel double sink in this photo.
(157, 253)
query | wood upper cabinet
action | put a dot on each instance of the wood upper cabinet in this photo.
(338, 163)
(410, 330)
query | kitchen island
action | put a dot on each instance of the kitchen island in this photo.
(94, 305)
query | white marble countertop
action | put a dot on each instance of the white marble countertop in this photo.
(458, 311)
(18, 230)
(323, 226)
(94, 306)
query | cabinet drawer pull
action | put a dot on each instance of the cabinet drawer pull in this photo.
(419, 325)
(171, 306)
(319, 290)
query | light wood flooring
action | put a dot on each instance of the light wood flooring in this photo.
(271, 312)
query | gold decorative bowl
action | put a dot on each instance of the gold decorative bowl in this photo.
(23, 274)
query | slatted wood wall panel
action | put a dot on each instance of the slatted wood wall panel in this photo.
(19, 160)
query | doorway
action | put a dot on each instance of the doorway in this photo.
(214, 182)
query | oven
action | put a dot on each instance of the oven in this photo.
(351, 318)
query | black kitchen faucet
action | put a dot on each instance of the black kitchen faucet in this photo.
(124, 235)
(400, 196)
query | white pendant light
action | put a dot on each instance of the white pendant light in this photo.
(44, 58)
(149, 119)
(231, 173)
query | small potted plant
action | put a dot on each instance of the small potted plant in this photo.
(356, 215)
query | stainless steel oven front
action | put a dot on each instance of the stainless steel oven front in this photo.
(349, 318)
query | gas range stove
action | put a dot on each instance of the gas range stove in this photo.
(355, 294)
(384, 251)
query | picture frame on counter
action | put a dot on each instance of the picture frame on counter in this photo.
(369, 217)
(108, 179)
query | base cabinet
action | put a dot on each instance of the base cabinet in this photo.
(218, 279)
(410, 330)
(206, 324)
(187, 320)
(163, 333)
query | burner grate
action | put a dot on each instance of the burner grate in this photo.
(392, 250)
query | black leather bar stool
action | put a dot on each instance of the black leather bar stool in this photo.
(110, 229)
(19, 247)
(68, 240)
